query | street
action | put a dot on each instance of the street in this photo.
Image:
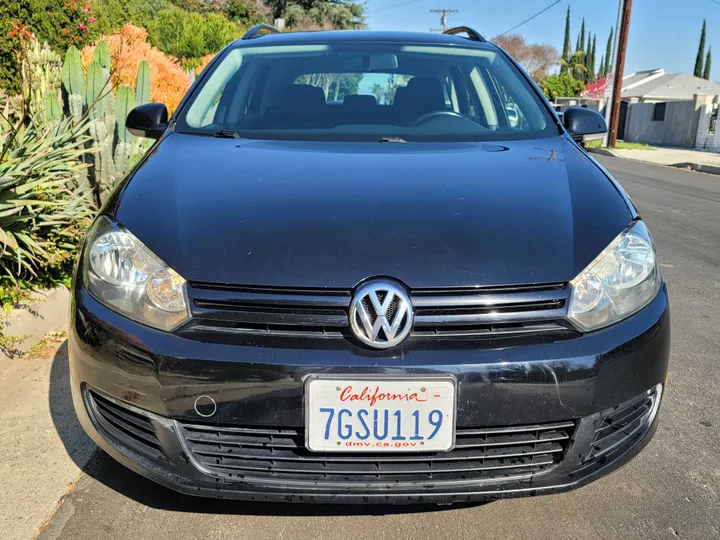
(671, 490)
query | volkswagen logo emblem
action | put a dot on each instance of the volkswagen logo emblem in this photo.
(381, 314)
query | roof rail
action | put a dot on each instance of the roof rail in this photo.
(472, 34)
(260, 30)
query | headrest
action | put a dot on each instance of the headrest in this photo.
(360, 101)
(302, 95)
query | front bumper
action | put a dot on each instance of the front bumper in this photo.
(159, 376)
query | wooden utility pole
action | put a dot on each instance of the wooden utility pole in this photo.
(443, 18)
(619, 70)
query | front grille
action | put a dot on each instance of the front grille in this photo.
(487, 454)
(123, 424)
(475, 313)
(624, 424)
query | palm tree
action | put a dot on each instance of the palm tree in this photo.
(575, 65)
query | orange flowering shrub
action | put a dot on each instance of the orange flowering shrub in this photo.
(129, 47)
(204, 61)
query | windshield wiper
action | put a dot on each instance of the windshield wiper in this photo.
(392, 140)
(227, 134)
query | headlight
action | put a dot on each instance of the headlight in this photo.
(621, 280)
(120, 272)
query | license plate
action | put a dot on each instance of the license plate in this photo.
(380, 415)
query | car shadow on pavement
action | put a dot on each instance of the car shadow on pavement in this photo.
(114, 476)
(77, 444)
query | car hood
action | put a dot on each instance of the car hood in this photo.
(319, 214)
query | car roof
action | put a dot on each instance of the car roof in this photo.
(334, 36)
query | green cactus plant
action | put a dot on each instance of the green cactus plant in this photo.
(142, 84)
(106, 110)
(52, 108)
(125, 101)
(102, 54)
(74, 83)
(42, 78)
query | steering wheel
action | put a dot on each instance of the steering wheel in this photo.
(432, 114)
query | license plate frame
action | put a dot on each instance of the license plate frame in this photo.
(379, 379)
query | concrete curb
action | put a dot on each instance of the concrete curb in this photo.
(602, 152)
(699, 167)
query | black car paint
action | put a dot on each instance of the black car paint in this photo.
(310, 214)
(266, 212)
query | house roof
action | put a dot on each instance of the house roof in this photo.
(655, 84)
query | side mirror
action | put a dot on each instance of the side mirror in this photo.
(149, 120)
(584, 124)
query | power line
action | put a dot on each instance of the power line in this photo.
(530, 19)
(391, 7)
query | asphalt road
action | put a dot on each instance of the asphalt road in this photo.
(672, 490)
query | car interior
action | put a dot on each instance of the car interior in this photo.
(411, 93)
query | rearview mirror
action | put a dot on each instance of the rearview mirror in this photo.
(149, 120)
(584, 124)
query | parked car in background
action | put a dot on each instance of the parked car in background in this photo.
(425, 291)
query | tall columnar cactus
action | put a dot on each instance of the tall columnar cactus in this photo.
(125, 100)
(101, 110)
(102, 54)
(106, 109)
(74, 83)
(142, 84)
(52, 108)
(43, 77)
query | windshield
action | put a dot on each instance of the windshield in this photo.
(362, 91)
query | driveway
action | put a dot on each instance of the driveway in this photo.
(672, 490)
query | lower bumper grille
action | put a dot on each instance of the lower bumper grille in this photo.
(236, 453)
(624, 423)
(124, 424)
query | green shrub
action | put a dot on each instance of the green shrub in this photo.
(190, 35)
(41, 208)
(562, 85)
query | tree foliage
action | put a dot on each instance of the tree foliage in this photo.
(561, 85)
(708, 65)
(322, 14)
(605, 67)
(567, 51)
(535, 58)
(701, 53)
(191, 35)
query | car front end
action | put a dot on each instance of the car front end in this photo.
(323, 317)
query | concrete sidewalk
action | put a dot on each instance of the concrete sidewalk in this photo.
(707, 162)
(44, 448)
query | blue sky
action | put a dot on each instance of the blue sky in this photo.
(663, 33)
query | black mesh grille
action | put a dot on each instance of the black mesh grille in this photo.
(236, 453)
(123, 423)
(623, 424)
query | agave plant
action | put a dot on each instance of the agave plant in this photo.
(40, 202)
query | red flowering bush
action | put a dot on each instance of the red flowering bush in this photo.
(76, 20)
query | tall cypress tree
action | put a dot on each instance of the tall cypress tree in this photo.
(588, 57)
(567, 53)
(601, 72)
(701, 53)
(708, 64)
(608, 52)
(582, 37)
(592, 57)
